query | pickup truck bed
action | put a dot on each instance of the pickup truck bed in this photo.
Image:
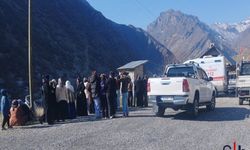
(181, 88)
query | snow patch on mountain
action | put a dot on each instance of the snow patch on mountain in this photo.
(231, 31)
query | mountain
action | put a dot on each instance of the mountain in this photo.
(231, 31)
(237, 36)
(185, 35)
(68, 37)
(243, 40)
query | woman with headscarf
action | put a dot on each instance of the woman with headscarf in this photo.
(52, 104)
(61, 98)
(71, 100)
(81, 102)
(5, 107)
(17, 116)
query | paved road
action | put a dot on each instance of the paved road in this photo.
(175, 131)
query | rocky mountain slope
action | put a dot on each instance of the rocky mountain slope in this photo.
(69, 37)
(231, 31)
(185, 35)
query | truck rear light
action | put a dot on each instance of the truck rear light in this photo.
(185, 86)
(148, 87)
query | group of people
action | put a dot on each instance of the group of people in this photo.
(15, 112)
(98, 94)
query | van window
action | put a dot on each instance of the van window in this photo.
(217, 61)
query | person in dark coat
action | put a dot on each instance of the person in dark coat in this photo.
(103, 98)
(45, 99)
(111, 94)
(81, 102)
(52, 104)
(139, 91)
(5, 109)
(95, 92)
(145, 94)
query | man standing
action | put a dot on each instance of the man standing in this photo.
(124, 90)
(95, 91)
(111, 94)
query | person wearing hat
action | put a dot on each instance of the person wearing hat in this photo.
(5, 107)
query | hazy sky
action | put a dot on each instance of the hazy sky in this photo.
(142, 12)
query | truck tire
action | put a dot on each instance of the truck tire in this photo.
(160, 112)
(211, 106)
(195, 107)
(241, 101)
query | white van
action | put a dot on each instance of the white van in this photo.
(215, 67)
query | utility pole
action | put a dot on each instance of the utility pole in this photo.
(30, 55)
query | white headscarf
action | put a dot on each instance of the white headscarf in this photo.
(69, 86)
(59, 83)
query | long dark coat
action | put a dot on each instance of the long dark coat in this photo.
(81, 102)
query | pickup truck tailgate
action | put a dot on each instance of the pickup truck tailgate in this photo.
(243, 81)
(165, 86)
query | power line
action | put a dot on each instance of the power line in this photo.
(145, 8)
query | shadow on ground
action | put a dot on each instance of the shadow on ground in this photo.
(219, 114)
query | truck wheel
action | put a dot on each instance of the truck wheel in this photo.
(241, 101)
(160, 112)
(211, 106)
(195, 107)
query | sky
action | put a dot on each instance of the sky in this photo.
(141, 13)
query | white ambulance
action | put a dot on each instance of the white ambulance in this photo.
(215, 67)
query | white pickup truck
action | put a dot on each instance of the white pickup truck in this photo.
(183, 86)
(243, 81)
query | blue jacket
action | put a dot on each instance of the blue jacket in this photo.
(5, 105)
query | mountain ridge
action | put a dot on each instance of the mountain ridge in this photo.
(68, 38)
(185, 35)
